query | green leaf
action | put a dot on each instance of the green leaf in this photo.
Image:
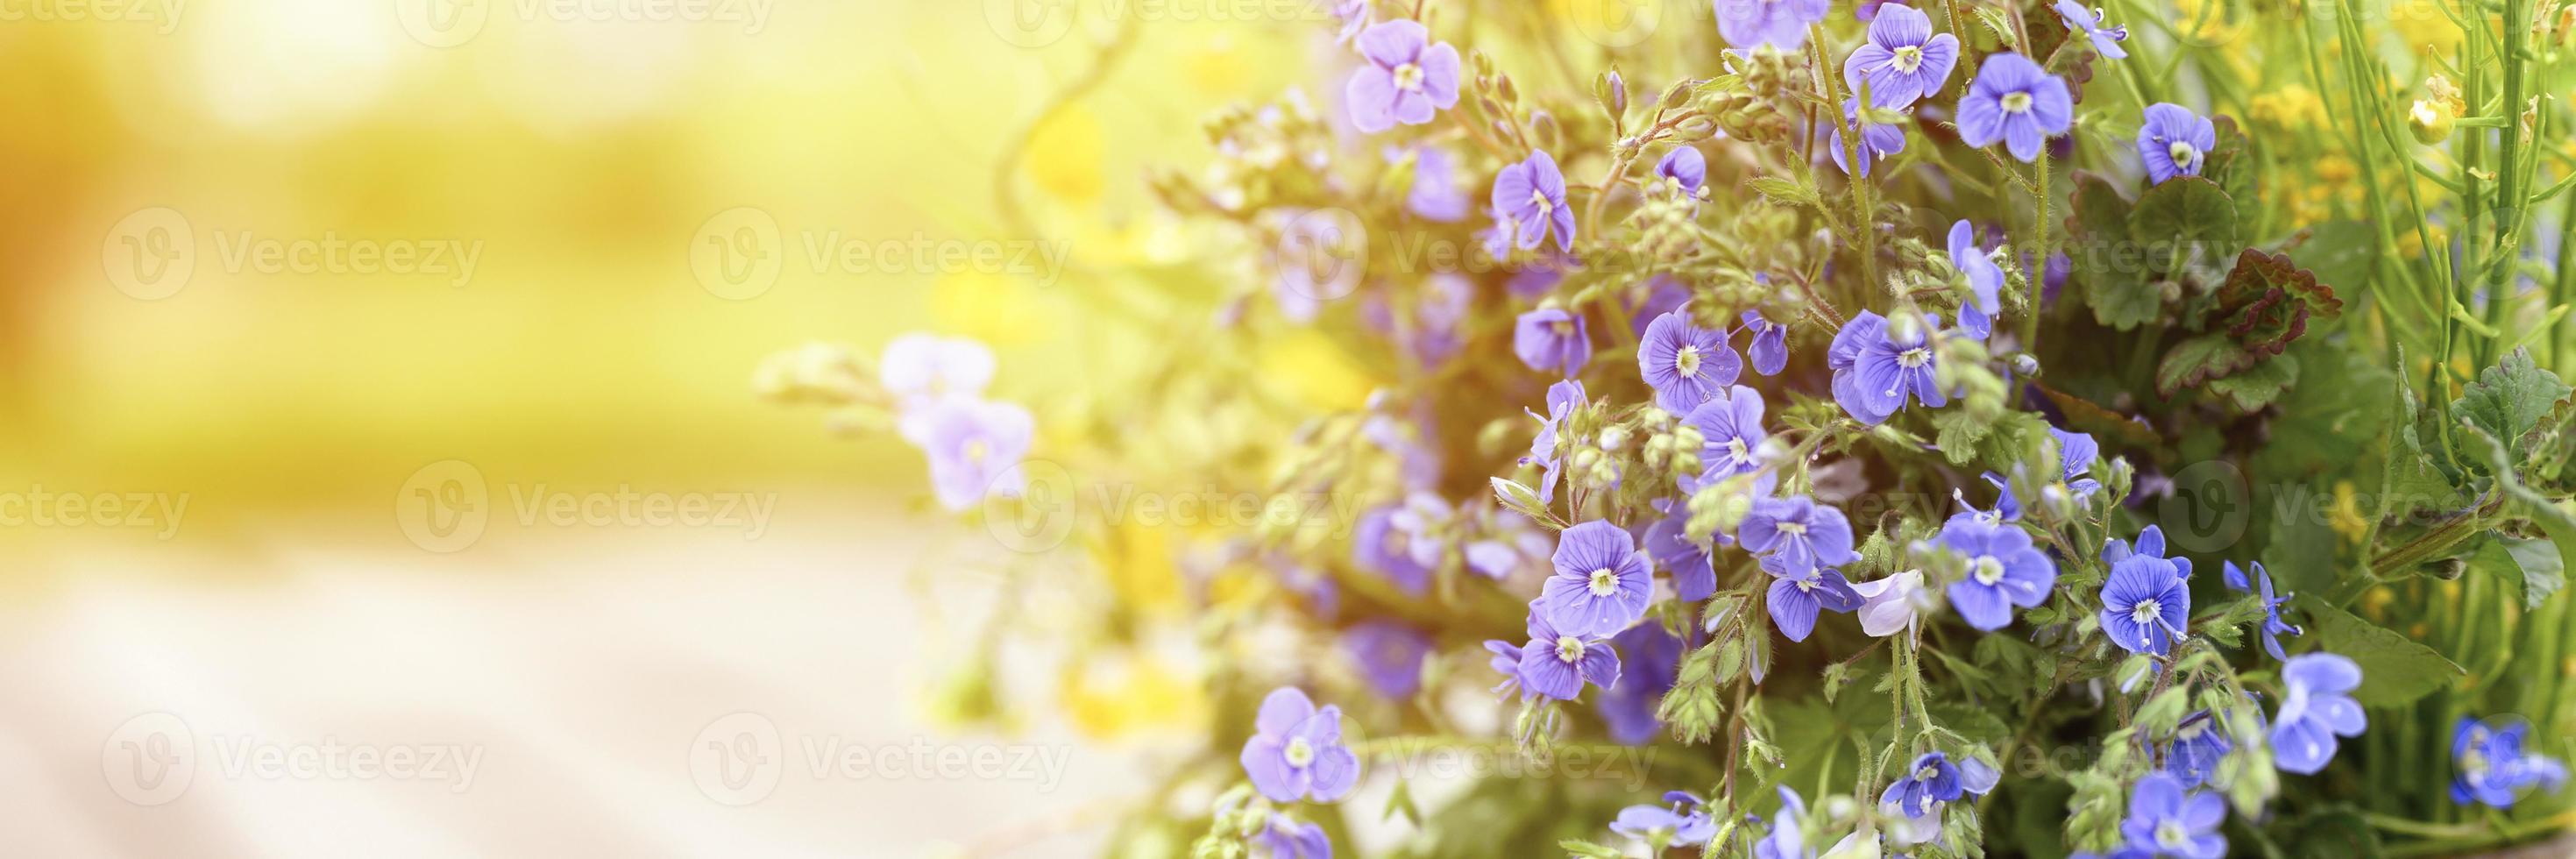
(2124, 302)
(2194, 362)
(2188, 210)
(1959, 434)
(2259, 386)
(2509, 399)
(2551, 515)
(2394, 670)
(2531, 567)
(2340, 253)
(1786, 192)
(2412, 481)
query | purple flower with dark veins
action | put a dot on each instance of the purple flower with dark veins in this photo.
(1879, 364)
(1557, 664)
(2004, 570)
(1876, 140)
(1602, 581)
(1805, 534)
(1731, 434)
(1530, 197)
(2146, 604)
(2016, 102)
(1903, 61)
(1796, 598)
(2174, 141)
(1985, 281)
(1552, 340)
(1770, 349)
(1296, 751)
(1407, 79)
(1684, 363)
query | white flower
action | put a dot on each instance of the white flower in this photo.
(1890, 604)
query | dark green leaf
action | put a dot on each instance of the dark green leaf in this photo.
(2531, 568)
(2394, 670)
(2509, 399)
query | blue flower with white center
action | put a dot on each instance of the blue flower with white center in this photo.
(2004, 571)
(2145, 604)
(1682, 821)
(1557, 664)
(2151, 543)
(2164, 820)
(1879, 364)
(2017, 103)
(1805, 534)
(1296, 750)
(1730, 432)
(2174, 142)
(1985, 281)
(1797, 597)
(1904, 59)
(2317, 709)
(1602, 581)
(2088, 22)
(1684, 363)
(2197, 745)
(2273, 626)
(1932, 778)
(2494, 768)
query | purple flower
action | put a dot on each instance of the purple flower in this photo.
(1685, 167)
(1654, 658)
(1286, 838)
(1424, 520)
(1730, 431)
(1602, 581)
(1985, 281)
(2004, 570)
(2015, 101)
(1408, 78)
(2273, 626)
(1931, 779)
(1878, 366)
(1876, 140)
(2165, 822)
(1805, 534)
(1684, 823)
(2317, 709)
(1557, 664)
(2145, 604)
(1552, 340)
(1439, 315)
(2494, 768)
(1389, 655)
(2089, 22)
(1349, 17)
(1435, 195)
(1296, 751)
(1530, 197)
(1507, 662)
(1684, 363)
(1770, 349)
(1663, 295)
(1796, 598)
(1904, 60)
(974, 447)
(1379, 546)
(920, 368)
(2174, 141)
(2151, 543)
(2197, 746)
(1668, 542)
(1562, 399)
(1782, 24)
(1788, 836)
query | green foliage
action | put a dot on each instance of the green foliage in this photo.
(2394, 670)
(2532, 569)
(2509, 399)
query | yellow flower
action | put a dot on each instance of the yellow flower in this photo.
(1109, 694)
(2204, 21)
(2346, 516)
(1139, 562)
(2292, 106)
(2427, 30)
(1315, 371)
(2337, 170)
(1065, 156)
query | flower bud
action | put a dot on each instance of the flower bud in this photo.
(2431, 122)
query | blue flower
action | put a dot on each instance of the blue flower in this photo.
(1435, 195)
(1879, 365)
(2089, 22)
(1877, 140)
(1552, 340)
(1557, 664)
(2165, 821)
(1770, 349)
(1731, 435)
(1797, 597)
(1296, 751)
(1530, 198)
(2317, 709)
(1788, 838)
(1685, 168)
(1379, 546)
(2273, 626)
(2015, 101)
(1389, 655)
(1931, 779)
(1507, 662)
(1408, 78)
(1985, 281)
(1562, 399)
(1669, 543)
(1782, 24)
(1976, 777)
(2145, 604)
(1286, 838)
(1805, 534)
(1654, 658)
(2494, 767)
(1904, 60)
(2004, 570)
(2151, 543)
(2174, 141)
(1684, 363)
(2197, 745)
(1602, 581)
(1681, 822)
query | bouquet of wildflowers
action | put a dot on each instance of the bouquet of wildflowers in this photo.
(1932, 429)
